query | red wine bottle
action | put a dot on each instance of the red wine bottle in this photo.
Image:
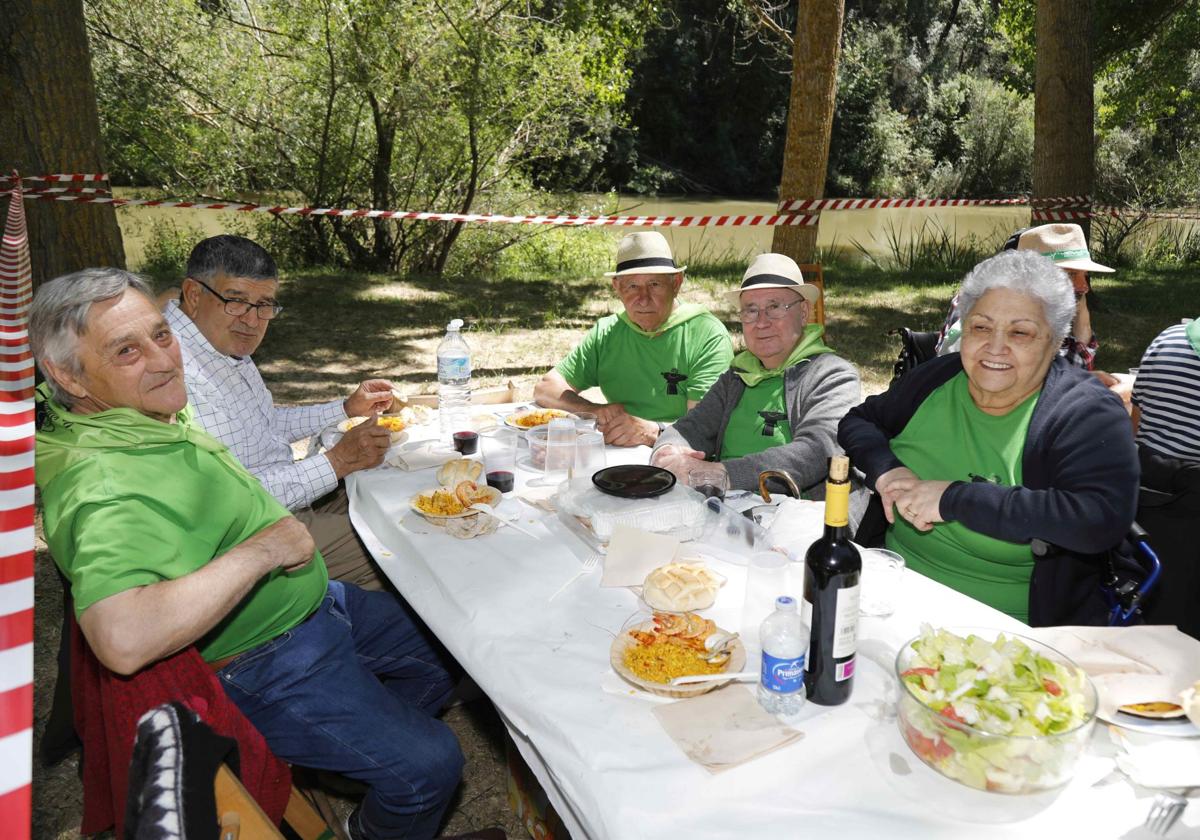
(832, 567)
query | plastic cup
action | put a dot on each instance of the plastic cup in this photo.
(560, 448)
(709, 479)
(466, 443)
(882, 576)
(499, 447)
(589, 455)
(585, 421)
(768, 575)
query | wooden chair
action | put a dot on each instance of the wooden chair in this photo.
(813, 273)
(242, 819)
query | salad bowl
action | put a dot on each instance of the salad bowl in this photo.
(992, 710)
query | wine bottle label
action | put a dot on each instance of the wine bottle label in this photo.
(782, 675)
(843, 671)
(837, 505)
(845, 626)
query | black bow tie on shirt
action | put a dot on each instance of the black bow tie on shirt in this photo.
(673, 378)
(770, 418)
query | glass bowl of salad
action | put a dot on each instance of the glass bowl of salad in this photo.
(993, 710)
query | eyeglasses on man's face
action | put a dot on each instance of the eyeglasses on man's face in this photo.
(773, 311)
(634, 288)
(238, 308)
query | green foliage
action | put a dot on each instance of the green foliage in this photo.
(166, 251)
(430, 105)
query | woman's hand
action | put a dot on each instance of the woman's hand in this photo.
(891, 484)
(921, 503)
(678, 459)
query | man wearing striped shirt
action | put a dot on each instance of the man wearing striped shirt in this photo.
(1166, 394)
(226, 304)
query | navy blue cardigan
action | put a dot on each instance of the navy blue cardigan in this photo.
(1079, 468)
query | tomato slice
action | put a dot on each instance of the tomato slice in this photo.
(949, 712)
(932, 672)
(1051, 686)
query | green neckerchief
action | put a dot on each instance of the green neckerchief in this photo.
(1193, 334)
(747, 366)
(66, 437)
(682, 312)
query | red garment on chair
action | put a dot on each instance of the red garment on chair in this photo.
(107, 708)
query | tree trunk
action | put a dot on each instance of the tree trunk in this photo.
(810, 117)
(50, 125)
(1063, 130)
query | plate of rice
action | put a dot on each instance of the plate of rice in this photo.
(447, 502)
(649, 659)
(532, 417)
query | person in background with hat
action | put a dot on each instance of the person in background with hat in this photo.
(778, 406)
(1067, 247)
(653, 361)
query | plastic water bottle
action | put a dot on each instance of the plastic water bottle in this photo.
(454, 380)
(784, 640)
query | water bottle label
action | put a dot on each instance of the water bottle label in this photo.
(845, 626)
(454, 367)
(782, 676)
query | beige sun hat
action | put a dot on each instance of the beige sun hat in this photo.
(1063, 243)
(645, 252)
(774, 271)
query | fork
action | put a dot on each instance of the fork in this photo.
(1165, 809)
(484, 507)
(589, 566)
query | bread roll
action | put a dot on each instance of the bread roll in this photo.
(680, 587)
(459, 469)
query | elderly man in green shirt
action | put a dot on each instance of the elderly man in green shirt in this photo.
(653, 361)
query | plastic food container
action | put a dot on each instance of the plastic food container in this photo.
(979, 759)
(679, 512)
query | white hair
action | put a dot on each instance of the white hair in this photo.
(58, 317)
(1028, 273)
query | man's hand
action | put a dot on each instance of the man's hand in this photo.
(921, 503)
(371, 395)
(678, 459)
(621, 428)
(890, 485)
(285, 544)
(360, 448)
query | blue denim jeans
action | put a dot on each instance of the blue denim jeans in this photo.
(354, 689)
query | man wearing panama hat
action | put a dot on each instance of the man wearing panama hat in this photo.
(778, 406)
(1067, 247)
(652, 361)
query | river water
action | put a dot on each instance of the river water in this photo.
(881, 234)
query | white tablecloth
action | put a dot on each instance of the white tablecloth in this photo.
(611, 770)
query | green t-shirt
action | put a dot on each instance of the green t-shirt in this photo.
(654, 377)
(950, 439)
(749, 431)
(130, 501)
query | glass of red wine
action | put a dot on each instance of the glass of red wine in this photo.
(500, 458)
(710, 479)
(466, 443)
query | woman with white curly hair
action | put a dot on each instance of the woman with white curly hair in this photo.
(1004, 472)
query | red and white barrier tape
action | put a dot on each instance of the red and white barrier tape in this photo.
(567, 220)
(819, 204)
(16, 526)
(94, 176)
(49, 190)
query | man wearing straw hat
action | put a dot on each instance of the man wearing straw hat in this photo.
(652, 361)
(1067, 247)
(779, 405)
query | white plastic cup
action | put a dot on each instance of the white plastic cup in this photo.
(768, 575)
(882, 577)
(589, 455)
